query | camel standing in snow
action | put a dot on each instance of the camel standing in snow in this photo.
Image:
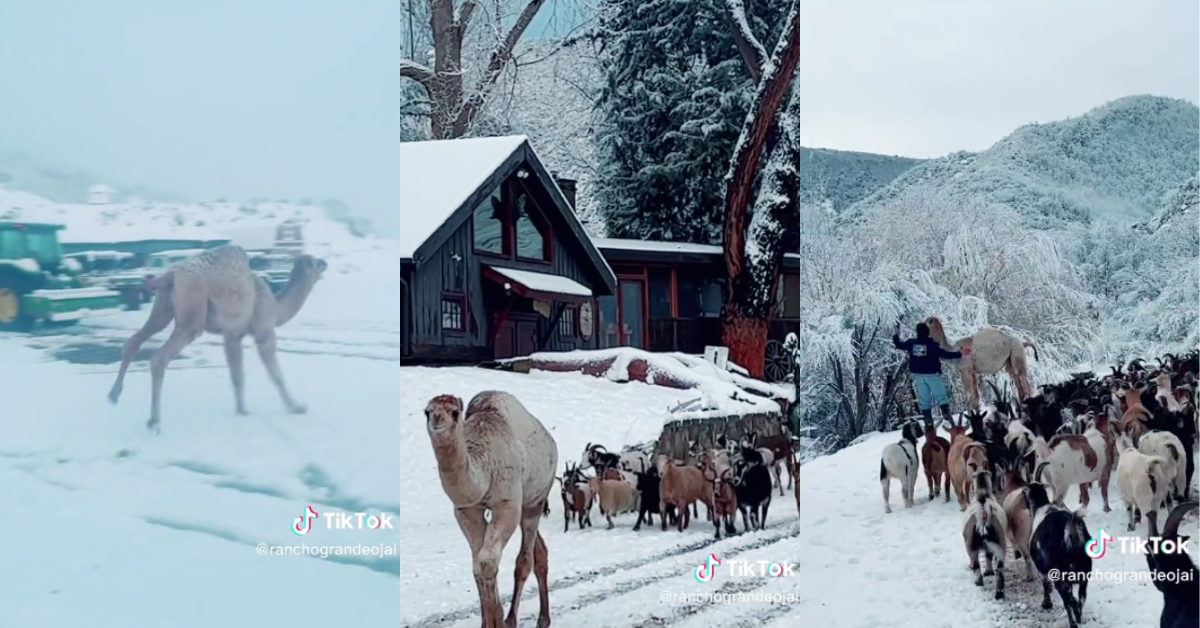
(216, 292)
(496, 457)
(985, 353)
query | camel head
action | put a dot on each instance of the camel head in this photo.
(443, 413)
(307, 270)
(938, 332)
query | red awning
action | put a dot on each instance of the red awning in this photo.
(541, 286)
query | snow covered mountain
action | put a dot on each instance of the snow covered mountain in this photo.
(843, 177)
(1117, 160)
(328, 229)
(19, 171)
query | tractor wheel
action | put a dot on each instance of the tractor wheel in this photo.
(11, 316)
(776, 363)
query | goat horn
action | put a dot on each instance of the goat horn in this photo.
(995, 391)
(599, 448)
(1037, 473)
(1171, 528)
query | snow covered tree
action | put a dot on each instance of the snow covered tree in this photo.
(439, 52)
(760, 203)
(669, 114)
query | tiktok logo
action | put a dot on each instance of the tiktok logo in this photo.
(706, 572)
(1098, 545)
(303, 524)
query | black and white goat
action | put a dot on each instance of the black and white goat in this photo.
(598, 457)
(899, 460)
(985, 530)
(1058, 545)
(752, 486)
(1175, 573)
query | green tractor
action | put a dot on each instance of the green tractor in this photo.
(37, 284)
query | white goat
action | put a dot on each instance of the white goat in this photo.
(900, 461)
(1079, 459)
(1167, 446)
(1142, 481)
(1019, 443)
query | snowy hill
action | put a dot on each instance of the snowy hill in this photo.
(1117, 160)
(843, 177)
(327, 232)
(19, 171)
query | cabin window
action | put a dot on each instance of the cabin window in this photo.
(791, 295)
(699, 297)
(566, 324)
(660, 292)
(488, 225)
(531, 234)
(454, 316)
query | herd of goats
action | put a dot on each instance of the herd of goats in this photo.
(1012, 468)
(732, 477)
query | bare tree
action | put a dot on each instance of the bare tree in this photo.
(755, 236)
(452, 107)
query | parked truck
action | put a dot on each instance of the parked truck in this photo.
(37, 284)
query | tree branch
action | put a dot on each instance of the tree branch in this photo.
(463, 19)
(500, 57)
(415, 71)
(754, 55)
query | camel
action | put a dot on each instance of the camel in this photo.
(497, 457)
(984, 353)
(216, 292)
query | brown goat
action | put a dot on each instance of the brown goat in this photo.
(964, 458)
(616, 497)
(1020, 520)
(724, 501)
(681, 486)
(1132, 397)
(933, 460)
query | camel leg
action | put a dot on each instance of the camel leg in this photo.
(237, 372)
(505, 517)
(1018, 380)
(525, 562)
(266, 352)
(541, 570)
(182, 336)
(971, 387)
(474, 527)
(161, 315)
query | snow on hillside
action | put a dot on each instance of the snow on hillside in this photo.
(1116, 160)
(847, 541)
(843, 178)
(117, 222)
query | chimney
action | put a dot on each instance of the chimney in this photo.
(568, 188)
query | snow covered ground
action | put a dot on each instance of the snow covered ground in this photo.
(106, 521)
(861, 568)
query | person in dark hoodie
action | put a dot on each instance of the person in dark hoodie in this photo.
(925, 365)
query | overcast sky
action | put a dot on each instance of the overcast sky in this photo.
(923, 78)
(212, 98)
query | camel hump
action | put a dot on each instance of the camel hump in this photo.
(493, 401)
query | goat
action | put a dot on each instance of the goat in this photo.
(933, 460)
(1142, 480)
(725, 504)
(681, 485)
(1175, 573)
(577, 498)
(965, 457)
(598, 456)
(985, 530)
(1058, 543)
(779, 448)
(1019, 442)
(752, 486)
(616, 497)
(1018, 517)
(1171, 450)
(1165, 393)
(899, 460)
(1079, 459)
(648, 499)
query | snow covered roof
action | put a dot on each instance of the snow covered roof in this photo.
(140, 233)
(664, 247)
(541, 282)
(437, 176)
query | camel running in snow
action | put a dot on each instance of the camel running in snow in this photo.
(496, 457)
(216, 292)
(984, 353)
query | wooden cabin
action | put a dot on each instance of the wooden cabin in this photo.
(669, 297)
(495, 263)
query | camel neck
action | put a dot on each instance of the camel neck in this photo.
(290, 300)
(459, 477)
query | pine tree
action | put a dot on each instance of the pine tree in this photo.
(674, 99)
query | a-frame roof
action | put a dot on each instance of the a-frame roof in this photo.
(441, 181)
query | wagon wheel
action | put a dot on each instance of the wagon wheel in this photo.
(776, 363)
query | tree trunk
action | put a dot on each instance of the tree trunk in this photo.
(746, 338)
